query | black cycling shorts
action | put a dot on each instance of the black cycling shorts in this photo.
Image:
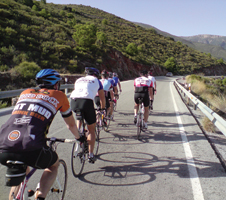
(97, 102)
(145, 97)
(86, 107)
(39, 159)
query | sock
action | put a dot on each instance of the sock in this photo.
(40, 198)
(91, 155)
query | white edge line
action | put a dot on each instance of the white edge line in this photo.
(194, 178)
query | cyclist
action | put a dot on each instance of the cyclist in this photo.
(22, 137)
(82, 97)
(152, 78)
(108, 89)
(115, 92)
(117, 81)
(143, 89)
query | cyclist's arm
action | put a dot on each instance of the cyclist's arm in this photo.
(102, 98)
(119, 85)
(71, 125)
(115, 89)
(151, 93)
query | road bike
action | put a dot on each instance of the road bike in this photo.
(140, 118)
(57, 190)
(99, 121)
(80, 150)
(116, 97)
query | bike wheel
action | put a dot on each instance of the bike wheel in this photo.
(77, 159)
(139, 124)
(107, 121)
(58, 189)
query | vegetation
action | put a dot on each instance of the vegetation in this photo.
(36, 34)
(210, 90)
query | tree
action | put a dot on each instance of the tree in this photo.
(85, 35)
(101, 38)
(131, 49)
(170, 64)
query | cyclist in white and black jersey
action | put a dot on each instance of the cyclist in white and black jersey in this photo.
(152, 78)
(82, 97)
(143, 88)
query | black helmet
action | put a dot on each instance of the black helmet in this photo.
(105, 73)
(144, 72)
(92, 71)
(47, 78)
(110, 74)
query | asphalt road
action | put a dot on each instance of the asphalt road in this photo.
(172, 161)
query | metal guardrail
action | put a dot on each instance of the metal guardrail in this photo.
(14, 93)
(218, 121)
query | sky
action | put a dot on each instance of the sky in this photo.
(177, 17)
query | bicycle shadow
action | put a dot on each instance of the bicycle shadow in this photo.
(137, 168)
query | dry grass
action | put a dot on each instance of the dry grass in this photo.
(198, 87)
(208, 125)
(219, 102)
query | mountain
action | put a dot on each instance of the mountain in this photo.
(216, 40)
(213, 44)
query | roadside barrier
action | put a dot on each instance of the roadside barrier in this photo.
(218, 121)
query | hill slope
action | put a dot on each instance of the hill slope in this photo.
(69, 38)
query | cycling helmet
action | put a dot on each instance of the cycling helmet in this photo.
(144, 72)
(47, 78)
(104, 73)
(92, 71)
(110, 74)
(115, 74)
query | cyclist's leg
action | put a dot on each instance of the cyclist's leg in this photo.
(47, 180)
(47, 160)
(91, 137)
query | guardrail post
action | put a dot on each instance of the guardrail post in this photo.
(66, 89)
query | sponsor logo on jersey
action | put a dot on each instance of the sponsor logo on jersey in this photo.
(14, 135)
(23, 120)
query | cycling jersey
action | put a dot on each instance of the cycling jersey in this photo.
(116, 79)
(86, 87)
(107, 85)
(152, 78)
(112, 82)
(142, 84)
(28, 125)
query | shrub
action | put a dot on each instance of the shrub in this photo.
(27, 70)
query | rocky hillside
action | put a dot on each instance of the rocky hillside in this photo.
(69, 38)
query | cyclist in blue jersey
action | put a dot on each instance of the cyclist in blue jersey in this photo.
(115, 91)
(117, 81)
(107, 86)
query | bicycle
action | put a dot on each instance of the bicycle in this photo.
(116, 97)
(80, 151)
(99, 121)
(57, 190)
(140, 118)
(106, 121)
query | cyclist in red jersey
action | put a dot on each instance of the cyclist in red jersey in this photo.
(143, 88)
(22, 137)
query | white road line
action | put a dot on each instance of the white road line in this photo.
(194, 178)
